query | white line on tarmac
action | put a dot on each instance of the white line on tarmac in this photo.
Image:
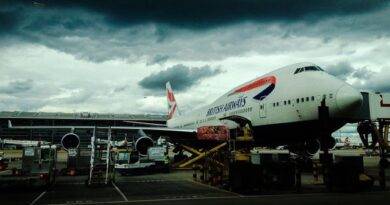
(36, 199)
(120, 192)
(154, 200)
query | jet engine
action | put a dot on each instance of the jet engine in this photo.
(142, 144)
(307, 148)
(311, 147)
(70, 141)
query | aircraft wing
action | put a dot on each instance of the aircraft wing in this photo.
(159, 129)
(145, 123)
(145, 128)
(173, 133)
(24, 143)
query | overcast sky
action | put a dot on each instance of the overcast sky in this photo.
(104, 56)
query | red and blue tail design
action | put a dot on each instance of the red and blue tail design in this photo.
(172, 105)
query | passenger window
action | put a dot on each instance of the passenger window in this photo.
(312, 98)
(331, 95)
(302, 99)
(285, 103)
(289, 102)
(274, 104)
(297, 100)
(277, 104)
(307, 98)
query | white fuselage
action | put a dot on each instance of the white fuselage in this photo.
(290, 97)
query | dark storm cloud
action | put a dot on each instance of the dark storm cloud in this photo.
(205, 13)
(374, 81)
(180, 76)
(380, 87)
(341, 70)
(105, 30)
(365, 78)
(189, 14)
(363, 73)
(18, 86)
(344, 70)
(158, 59)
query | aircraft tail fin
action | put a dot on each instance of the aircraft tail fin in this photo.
(172, 105)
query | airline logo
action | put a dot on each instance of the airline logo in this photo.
(271, 80)
(234, 104)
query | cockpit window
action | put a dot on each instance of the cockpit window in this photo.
(308, 68)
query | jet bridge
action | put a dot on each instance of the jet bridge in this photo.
(375, 107)
(374, 120)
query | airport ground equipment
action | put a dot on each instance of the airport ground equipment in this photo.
(384, 148)
(241, 168)
(199, 154)
(374, 120)
(348, 174)
(38, 165)
(159, 155)
(78, 162)
(102, 161)
(129, 161)
(261, 170)
(3, 161)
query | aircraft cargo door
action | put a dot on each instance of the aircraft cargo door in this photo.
(263, 110)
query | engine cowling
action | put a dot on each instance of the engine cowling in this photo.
(142, 144)
(312, 147)
(307, 148)
(70, 141)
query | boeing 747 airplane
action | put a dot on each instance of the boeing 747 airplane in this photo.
(280, 107)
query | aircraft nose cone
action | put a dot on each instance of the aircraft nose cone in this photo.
(348, 98)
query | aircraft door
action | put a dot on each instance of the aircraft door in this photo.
(262, 110)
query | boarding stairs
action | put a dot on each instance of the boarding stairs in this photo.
(102, 161)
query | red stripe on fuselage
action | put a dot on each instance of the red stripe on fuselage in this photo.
(256, 84)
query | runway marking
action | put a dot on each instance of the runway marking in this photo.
(120, 192)
(154, 200)
(149, 181)
(72, 183)
(36, 199)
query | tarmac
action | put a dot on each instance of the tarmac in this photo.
(173, 188)
(178, 187)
